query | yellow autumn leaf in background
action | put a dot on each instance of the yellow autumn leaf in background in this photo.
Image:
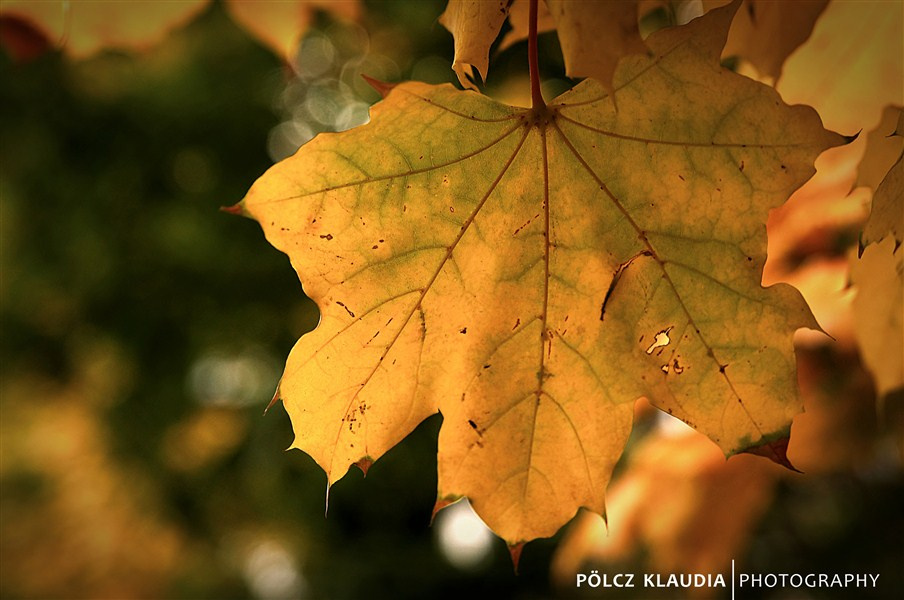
(83, 27)
(280, 24)
(878, 313)
(766, 32)
(474, 25)
(886, 216)
(884, 145)
(519, 19)
(878, 272)
(679, 503)
(594, 34)
(849, 83)
(531, 273)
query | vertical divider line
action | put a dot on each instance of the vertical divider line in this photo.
(732, 579)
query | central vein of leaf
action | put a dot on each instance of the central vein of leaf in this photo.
(545, 338)
(545, 334)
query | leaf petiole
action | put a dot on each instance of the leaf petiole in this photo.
(536, 95)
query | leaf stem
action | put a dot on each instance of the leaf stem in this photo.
(536, 94)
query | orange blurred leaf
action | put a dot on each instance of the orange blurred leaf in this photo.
(84, 27)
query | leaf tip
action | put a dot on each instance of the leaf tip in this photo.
(850, 138)
(364, 464)
(775, 450)
(236, 209)
(441, 503)
(515, 553)
(381, 87)
(273, 400)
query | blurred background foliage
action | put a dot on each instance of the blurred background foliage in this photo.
(143, 333)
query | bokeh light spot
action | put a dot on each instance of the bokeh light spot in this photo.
(464, 540)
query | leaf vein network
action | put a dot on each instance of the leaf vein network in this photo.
(661, 264)
(429, 284)
(391, 176)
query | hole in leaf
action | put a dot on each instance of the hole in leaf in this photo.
(660, 341)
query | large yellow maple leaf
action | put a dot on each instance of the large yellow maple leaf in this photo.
(529, 273)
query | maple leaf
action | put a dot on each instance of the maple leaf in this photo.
(594, 34)
(878, 313)
(849, 89)
(767, 32)
(474, 25)
(519, 19)
(884, 145)
(887, 212)
(85, 27)
(878, 271)
(280, 24)
(531, 272)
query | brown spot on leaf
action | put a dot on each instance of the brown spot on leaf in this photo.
(528, 222)
(327, 237)
(351, 314)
